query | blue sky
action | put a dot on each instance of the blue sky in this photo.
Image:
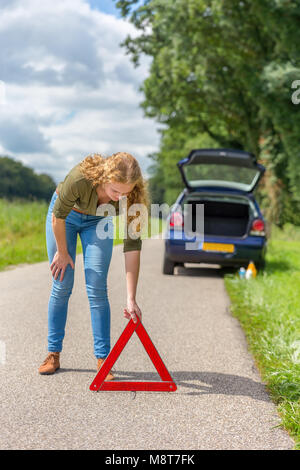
(70, 90)
(106, 6)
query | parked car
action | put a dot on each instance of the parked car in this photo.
(223, 181)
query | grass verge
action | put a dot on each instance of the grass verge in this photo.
(268, 308)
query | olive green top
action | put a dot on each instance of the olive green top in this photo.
(77, 192)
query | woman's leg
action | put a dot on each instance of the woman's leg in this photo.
(97, 254)
(61, 290)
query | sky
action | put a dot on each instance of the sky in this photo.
(67, 88)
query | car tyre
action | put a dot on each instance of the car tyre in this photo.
(168, 266)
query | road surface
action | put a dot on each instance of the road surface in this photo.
(220, 402)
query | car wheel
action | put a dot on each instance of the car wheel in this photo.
(168, 266)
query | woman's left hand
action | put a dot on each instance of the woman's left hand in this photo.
(132, 311)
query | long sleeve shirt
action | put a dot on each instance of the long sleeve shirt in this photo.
(76, 192)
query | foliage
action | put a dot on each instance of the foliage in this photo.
(19, 181)
(223, 69)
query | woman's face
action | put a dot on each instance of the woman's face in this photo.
(116, 190)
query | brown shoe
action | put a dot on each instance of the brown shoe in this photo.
(109, 376)
(50, 364)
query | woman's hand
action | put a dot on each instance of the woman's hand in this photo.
(132, 311)
(60, 263)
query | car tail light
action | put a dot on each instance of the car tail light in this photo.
(176, 219)
(258, 227)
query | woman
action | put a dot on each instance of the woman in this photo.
(74, 209)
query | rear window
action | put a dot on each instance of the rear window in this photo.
(208, 174)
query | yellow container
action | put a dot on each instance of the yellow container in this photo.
(251, 267)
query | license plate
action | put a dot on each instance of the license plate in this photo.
(219, 247)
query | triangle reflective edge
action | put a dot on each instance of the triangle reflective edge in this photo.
(167, 384)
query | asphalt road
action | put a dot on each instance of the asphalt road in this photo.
(220, 402)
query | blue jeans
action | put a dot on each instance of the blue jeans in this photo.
(97, 254)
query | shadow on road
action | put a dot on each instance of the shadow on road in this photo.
(64, 370)
(212, 383)
(203, 271)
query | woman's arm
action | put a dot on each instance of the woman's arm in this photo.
(61, 258)
(132, 267)
(59, 230)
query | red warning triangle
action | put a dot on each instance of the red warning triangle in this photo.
(165, 385)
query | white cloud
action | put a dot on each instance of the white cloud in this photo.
(70, 90)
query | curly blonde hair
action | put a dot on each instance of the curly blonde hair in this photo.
(120, 167)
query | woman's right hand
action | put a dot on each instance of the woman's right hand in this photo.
(59, 264)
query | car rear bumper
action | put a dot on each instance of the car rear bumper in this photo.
(251, 248)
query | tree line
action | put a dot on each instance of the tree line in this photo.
(223, 73)
(19, 181)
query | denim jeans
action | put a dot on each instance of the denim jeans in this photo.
(97, 254)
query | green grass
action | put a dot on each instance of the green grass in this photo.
(268, 308)
(22, 232)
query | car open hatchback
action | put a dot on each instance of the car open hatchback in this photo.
(229, 230)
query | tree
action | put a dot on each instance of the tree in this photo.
(17, 180)
(224, 69)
